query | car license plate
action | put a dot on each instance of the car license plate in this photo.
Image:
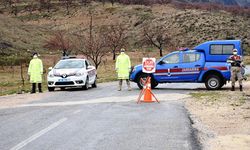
(63, 80)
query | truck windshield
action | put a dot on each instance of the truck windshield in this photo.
(70, 64)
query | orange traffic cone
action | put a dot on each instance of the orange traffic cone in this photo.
(146, 91)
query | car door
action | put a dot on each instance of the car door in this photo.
(91, 71)
(167, 68)
(190, 66)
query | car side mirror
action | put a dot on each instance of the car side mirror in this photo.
(90, 67)
(50, 68)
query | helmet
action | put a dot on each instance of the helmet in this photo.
(122, 49)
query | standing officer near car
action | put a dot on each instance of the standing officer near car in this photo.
(236, 65)
(35, 73)
(122, 68)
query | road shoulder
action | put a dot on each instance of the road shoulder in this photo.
(222, 118)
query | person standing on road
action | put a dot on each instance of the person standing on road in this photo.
(122, 68)
(35, 72)
(236, 66)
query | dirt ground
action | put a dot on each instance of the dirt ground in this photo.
(16, 99)
(222, 118)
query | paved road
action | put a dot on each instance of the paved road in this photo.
(99, 119)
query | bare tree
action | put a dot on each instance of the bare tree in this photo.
(5, 3)
(13, 5)
(115, 37)
(103, 2)
(85, 2)
(59, 42)
(67, 4)
(45, 4)
(30, 7)
(156, 36)
(112, 2)
(92, 45)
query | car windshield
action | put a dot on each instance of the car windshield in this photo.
(69, 64)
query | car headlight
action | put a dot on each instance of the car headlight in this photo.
(79, 73)
(51, 75)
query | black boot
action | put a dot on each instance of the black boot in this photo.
(232, 89)
(241, 89)
(40, 87)
(33, 88)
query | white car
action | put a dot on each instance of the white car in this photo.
(72, 72)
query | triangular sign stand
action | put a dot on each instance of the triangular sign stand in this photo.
(147, 92)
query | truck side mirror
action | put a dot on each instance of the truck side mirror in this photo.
(161, 62)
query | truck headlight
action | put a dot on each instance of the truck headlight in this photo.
(134, 69)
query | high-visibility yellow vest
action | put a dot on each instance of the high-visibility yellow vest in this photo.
(35, 70)
(123, 66)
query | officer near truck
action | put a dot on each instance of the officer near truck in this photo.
(236, 66)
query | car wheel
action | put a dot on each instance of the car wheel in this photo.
(144, 77)
(213, 82)
(94, 85)
(86, 86)
(51, 89)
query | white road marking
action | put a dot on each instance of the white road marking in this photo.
(37, 135)
(77, 111)
(160, 97)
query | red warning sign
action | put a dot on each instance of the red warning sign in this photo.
(148, 65)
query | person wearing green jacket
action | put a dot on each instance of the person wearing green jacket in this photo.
(122, 68)
(35, 73)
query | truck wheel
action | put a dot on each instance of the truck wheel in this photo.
(213, 82)
(144, 77)
(51, 89)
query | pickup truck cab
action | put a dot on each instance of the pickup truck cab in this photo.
(205, 63)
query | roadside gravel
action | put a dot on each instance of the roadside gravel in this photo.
(222, 118)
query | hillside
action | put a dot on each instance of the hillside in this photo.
(186, 28)
(241, 3)
(16, 36)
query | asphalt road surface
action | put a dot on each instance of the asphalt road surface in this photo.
(99, 119)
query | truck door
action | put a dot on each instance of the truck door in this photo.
(166, 67)
(190, 66)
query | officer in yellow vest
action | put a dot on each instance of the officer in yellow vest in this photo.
(35, 72)
(123, 67)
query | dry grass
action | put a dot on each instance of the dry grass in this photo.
(247, 60)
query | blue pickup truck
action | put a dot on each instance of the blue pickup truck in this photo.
(205, 63)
